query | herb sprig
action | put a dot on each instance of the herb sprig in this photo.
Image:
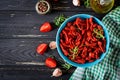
(87, 3)
(75, 52)
(98, 33)
(66, 66)
(59, 20)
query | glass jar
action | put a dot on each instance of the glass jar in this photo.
(101, 6)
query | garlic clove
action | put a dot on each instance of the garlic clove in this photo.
(76, 2)
(57, 72)
(52, 45)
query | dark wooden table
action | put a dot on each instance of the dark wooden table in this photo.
(20, 35)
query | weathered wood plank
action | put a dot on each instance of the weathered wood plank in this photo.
(30, 75)
(17, 24)
(23, 50)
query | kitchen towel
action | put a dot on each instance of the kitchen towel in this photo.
(109, 67)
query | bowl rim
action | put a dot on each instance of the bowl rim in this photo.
(72, 18)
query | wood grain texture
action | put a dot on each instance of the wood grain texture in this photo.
(16, 50)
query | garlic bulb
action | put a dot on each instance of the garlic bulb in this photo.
(57, 72)
(76, 2)
(52, 45)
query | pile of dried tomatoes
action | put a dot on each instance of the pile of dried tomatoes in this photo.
(82, 40)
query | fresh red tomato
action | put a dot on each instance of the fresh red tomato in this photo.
(46, 27)
(50, 62)
(42, 48)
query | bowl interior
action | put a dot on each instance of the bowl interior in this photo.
(70, 19)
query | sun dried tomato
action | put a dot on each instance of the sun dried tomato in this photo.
(82, 61)
(87, 23)
(89, 33)
(92, 55)
(66, 36)
(99, 27)
(93, 39)
(64, 50)
(72, 28)
(84, 52)
(69, 24)
(83, 31)
(91, 60)
(63, 43)
(67, 28)
(100, 46)
(91, 45)
(104, 43)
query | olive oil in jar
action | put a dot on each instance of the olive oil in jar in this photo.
(101, 6)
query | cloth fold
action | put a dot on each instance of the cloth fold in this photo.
(109, 67)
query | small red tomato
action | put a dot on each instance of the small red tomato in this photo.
(46, 27)
(50, 62)
(42, 48)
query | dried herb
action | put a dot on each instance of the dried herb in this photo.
(66, 66)
(87, 3)
(75, 52)
(98, 33)
(59, 20)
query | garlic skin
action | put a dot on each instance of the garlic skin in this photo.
(57, 72)
(76, 2)
(52, 45)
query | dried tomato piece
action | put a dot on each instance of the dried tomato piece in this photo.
(99, 27)
(104, 44)
(83, 31)
(66, 36)
(78, 21)
(97, 56)
(88, 39)
(89, 34)
(94, 25)
(84, 52)
(63, 43)
(87, 23)
(91, 60)
(64, 50)
(94, 39)
(72, 28)
(100, 46)
(67, 29)
(90, 45)
(82, 61)
(69, 24)
(77, 43)
(91, 20)
(92, 55)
